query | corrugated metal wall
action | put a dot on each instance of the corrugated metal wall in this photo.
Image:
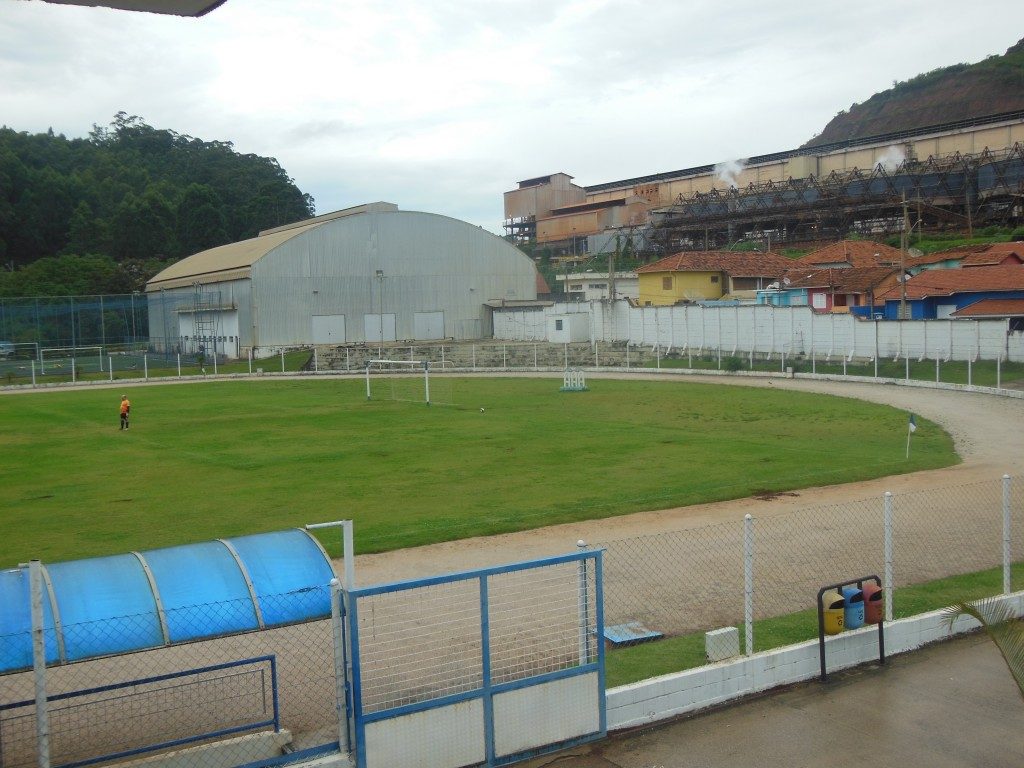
(430, 263)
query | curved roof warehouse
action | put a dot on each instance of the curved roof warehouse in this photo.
(363, 275)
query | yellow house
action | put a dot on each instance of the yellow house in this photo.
(707, 275)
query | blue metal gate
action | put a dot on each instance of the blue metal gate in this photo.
(486, 667)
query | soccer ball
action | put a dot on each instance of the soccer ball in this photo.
(481, 410)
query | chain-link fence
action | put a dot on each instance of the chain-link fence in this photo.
(762, 574)
(263, 690)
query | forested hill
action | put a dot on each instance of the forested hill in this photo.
(958, 92)
(105, 213)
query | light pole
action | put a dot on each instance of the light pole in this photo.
(380, 282)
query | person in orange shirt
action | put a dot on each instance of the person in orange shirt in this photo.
(126, 406)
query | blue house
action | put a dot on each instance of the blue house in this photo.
(938, 293)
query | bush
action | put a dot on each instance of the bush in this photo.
(731, 363)
(1017, 235)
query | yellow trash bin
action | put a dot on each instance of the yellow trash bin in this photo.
(832, 606)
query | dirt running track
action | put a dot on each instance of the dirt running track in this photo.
(987, 430)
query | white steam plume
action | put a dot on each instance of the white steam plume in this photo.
(729, 171)
(891, 159)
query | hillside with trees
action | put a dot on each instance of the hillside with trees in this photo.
(105, 213)
(957, 92)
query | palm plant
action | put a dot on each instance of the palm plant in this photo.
(1001, 624)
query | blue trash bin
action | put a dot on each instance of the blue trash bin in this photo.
(853, 608)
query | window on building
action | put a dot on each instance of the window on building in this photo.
(558, 325)
(666, 283)
(714, 278)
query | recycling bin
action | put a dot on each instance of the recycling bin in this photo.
(874, 608)
(833, 607)
(853, 612)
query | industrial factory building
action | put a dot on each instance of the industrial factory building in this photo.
(362, 275)
(956, 175)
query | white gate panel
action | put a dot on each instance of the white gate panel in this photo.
(447, 737)
(549, 713)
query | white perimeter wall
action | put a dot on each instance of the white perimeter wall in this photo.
(765, 329)
(671, 695)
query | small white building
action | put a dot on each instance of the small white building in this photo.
(596, 286)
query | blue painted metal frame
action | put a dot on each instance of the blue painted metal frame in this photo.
(274, 721)
(487, 689)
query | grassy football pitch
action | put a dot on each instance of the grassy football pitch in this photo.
(218, 459)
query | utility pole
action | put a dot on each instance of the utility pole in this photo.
(903, 262)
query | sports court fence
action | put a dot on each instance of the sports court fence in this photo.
(761, 574)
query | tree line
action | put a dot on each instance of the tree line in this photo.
(105, 213)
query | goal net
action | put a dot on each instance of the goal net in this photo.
(408, 381)
(61, 359)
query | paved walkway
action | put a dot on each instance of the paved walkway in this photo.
(950, 704)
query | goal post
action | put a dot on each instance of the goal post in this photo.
(57, 358)
(414, 372)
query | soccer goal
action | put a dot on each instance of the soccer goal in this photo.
(61, 359)
(406, 381)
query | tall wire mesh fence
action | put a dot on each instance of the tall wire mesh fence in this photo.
(945, 544)
(276, 681)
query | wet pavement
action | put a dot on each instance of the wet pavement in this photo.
(949, 704)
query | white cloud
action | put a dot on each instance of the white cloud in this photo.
(443, 106)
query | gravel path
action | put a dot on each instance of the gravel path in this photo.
(987, 430)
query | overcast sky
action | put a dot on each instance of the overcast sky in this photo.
(443, 105)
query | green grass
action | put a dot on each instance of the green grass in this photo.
(675, 654)
(214, 459)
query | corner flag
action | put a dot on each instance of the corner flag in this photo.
(913, 424)
(911, 429)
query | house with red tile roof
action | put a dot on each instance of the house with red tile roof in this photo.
(832, 290)
(938, 293)
(851, 253)
(995, 309)
(708, 275)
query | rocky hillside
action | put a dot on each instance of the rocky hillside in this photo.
(943, 95)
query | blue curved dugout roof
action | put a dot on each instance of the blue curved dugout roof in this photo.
(129, 602)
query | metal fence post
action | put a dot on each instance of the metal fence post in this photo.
(33, 373)
(179, 365)
(145, 367)
(1006, 535)
(316, 361)
(110, 366)
(583, 606)
(282, 359)
(887, 524)
(748, 584)
(35, 574)
(340, 679)
(999, 360)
